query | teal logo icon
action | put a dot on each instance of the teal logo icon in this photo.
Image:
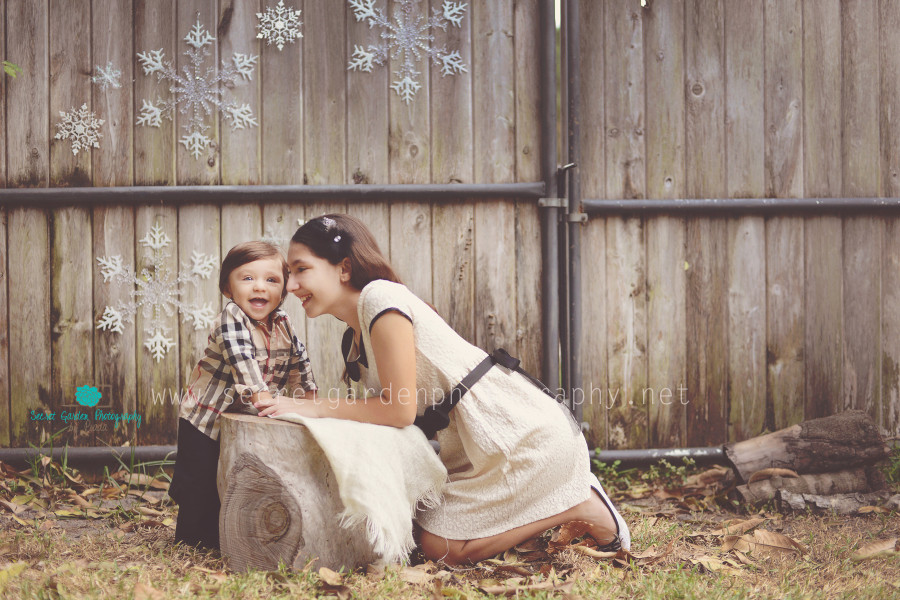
(87, 396)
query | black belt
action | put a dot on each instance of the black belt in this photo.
(437, 416)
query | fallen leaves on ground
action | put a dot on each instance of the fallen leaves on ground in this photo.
(887, 547)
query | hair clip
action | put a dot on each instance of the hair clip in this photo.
(328, 222)
(337, 239)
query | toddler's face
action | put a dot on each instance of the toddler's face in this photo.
(256, 287)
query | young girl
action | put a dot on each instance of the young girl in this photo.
(252, 355)
(518, 463)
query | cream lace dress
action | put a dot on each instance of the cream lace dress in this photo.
(513, 454)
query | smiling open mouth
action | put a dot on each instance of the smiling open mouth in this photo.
(305, 299)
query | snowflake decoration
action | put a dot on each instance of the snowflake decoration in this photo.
(81, 126)
(156, 291)
(408, 36)
(196, 91)
(108, 77)
(279, 25)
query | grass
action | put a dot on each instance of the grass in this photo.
(126, 554)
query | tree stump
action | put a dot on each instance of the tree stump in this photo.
(825, 445)
(280, 500)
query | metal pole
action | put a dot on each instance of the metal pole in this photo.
(574, 212)
(741, 206)
(549, 214)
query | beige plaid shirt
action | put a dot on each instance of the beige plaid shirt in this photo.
(242, 358)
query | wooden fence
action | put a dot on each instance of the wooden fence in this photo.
(761, 321)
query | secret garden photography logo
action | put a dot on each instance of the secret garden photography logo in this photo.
(87, 396)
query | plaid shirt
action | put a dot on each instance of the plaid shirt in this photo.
(242, 358)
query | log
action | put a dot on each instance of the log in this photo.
(829, 444)
(842, 504)
(280, 500)
(841, 482)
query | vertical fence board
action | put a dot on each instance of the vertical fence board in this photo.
(452, 161)
(493, 86)
(626, 315)
(593, 240)
(3, 82)
(280, 220)
(5, 408)
(862, 235)
(27, 109)
(746, 246)
(114, 353)
(158, 381)
(236, 32)
(199, 230)
(154, 147)
(29, 326)
(666, 336)
(822, 178)
(529, 294)
(203, 170)
(113, 162)
(707, 319)
(889, 18)
(784, 235)
(281, 110)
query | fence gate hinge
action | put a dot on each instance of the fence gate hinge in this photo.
(577, 217)
(553, 202)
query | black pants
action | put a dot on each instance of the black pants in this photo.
(194, 488)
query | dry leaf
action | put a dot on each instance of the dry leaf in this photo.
(330, 577)
(766, 541)
(10, 572)
(717, 565)
(414, 575)
(594, 553)
(508, 589)
(145, 591)
(79, 501)
(864, 510)
(770, 473)
(878, 548)
(149, 511)
(14, 507)
(739, 527)
(567, 532)
(736, 543)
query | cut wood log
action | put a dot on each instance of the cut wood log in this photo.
(842, 504)
(824, 445)
(841, 482)
(280, 500)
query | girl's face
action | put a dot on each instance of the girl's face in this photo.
(314, 280)
(256, 287)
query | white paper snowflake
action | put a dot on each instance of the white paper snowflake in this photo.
(196, 91)
(108, 77)
(279, 24)
(81, 126)
(155, 292)
(408, 36)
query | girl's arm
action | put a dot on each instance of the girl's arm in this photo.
(394, 352)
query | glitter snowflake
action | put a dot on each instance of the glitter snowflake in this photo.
(279, 24)
(108, 77)
(155, 292)
(81, 126)
(197, 91)
(408, 36)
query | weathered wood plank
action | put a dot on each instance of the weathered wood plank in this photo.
(593, 239)
(666, 336)
(28, 46)
(240, 148)
(862, 235)
(493, 85)
(115, 365)
(784, 235)
(452, 161)
(889, 18)
(5, 408)
(204, 170)
(154, 147)
(113, 162)
(411, 246)
(280, 220)
(281, 131)
(159, 381)
(823, 250)
(746, 246)
(240, 223)
(324, 93)
(707, 318)
(3, 128)
(528, 168)
(199, 230)
(626, 308)
(28, 239)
